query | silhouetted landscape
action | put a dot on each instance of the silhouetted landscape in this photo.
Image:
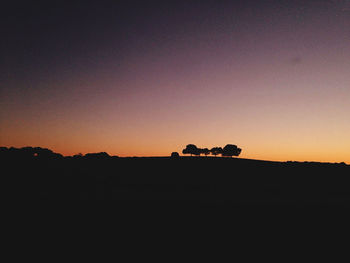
(38, 174)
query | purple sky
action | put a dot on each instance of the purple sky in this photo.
(132, 78)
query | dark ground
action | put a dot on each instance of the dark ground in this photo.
(193, 203)
(183, 181)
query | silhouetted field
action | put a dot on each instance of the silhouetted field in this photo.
(203, 181)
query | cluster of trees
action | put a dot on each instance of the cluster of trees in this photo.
(30, 153)
(229, 150)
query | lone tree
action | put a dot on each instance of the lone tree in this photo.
(231, 150)
(216, 150)
(191, 149)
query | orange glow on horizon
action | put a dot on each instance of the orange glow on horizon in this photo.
(272, 78)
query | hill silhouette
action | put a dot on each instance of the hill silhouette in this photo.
(41, 174)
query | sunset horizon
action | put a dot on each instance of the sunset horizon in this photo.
(179, 150)
(148, 78)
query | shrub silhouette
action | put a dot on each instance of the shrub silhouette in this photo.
(78, 156)
(97, 156)
(191, 149)
(231, 150)
(175, 154)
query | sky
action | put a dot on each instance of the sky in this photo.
(146, 78)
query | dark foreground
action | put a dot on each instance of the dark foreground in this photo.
(180, 181)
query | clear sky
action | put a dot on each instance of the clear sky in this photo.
(145, 78)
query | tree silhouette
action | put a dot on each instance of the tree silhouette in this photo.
(205, 151)
(216, 150)
(231, 150)
(191, 149)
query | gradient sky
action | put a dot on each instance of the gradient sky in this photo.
(145, 78)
